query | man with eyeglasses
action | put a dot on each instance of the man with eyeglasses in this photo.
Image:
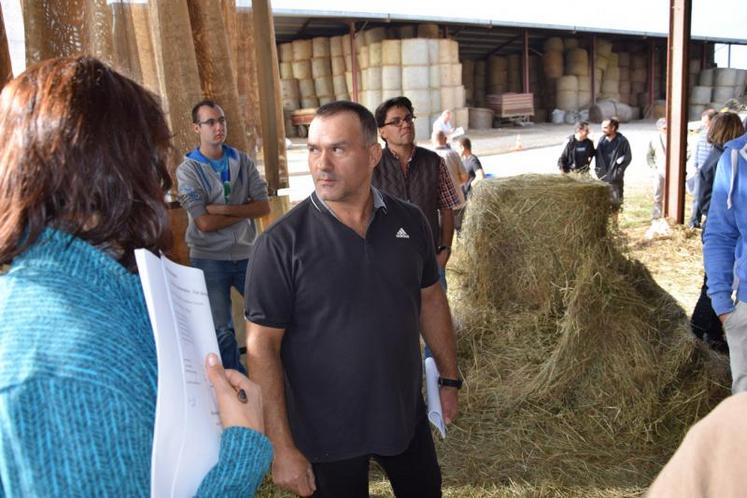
(416, 174)
(222, 192)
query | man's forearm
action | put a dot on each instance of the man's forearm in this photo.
(447, 226)
(213, 222)
(438, 330)
(265, 368)
(249, 210)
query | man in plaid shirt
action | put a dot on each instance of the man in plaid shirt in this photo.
(416, 174)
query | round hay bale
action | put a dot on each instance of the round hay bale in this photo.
(606, 109)
(623, 59)
(450, 97)
(604, 47)
(601, 62)
(584, 84)
(572, 346)
(391, 52)
(349, 80)
(338, 65)
(364, 59)
(610, 86)
(324, 86)
(374, 35)
(584, 99)
(391, 77)
(306, 88)
(348, 62)
(639, 76)
(309, 102)
(567, 83)
(444, 51)
(613, 59)
(456, 74)
(480, 119)
(374, 54)
(372, 77)
(390, 93)
(638, 61)
(326, 100)
(701, 95)
(576, 56)
(339, 84)
(335, 46)
(552, 64)
(554, 44)
(723, 93)
(301, 50)
(285, 52)
(409, 31)
(497, 63)
(567, 100)
(612, 73)
(320, 47)
(415, 52)
(286, 70)
(302, 69)
(428, 30)
(694, 111)
(289, 89)
(706, 77)
(570, 43)
(726, 77)
(320, 67)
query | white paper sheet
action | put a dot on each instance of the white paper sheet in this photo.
(186, 439)
(435, 415)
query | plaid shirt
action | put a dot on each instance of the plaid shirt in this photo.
(447, 194)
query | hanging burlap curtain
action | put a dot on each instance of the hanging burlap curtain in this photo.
(6, 70)
(182, 50)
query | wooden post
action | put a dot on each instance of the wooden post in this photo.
(593, 62)
(677, 90)
(270, 108)
(525, 62)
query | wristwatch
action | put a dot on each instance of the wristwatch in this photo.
(445, 382)
(443, 248)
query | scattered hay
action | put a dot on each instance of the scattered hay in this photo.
(580, 370)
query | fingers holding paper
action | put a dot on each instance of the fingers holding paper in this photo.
(239, 399)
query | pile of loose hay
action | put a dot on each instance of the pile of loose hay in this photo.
(579, 368)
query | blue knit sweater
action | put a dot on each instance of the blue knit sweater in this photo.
(78, 382)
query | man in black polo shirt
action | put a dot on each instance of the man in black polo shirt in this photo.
(338, 292)
(578, 151)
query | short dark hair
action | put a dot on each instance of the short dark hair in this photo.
(581, 125)
(84, 151)
(366, 119)
(203, 103)
(383, 109)
(614, 122)
(465, 142)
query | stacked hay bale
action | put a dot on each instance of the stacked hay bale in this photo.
(639, 79)
(337, 60)
(514, 73)
(497, 73)
(468, 80)
(536, 85)
(578, 367)
(416, 80)
(481, 71)
(302, 52)
(452, 93)
(552, 64)
(391, 69)
(289, 90)
(321, 70)
(626, 89)
(348, 54)
(372, 76)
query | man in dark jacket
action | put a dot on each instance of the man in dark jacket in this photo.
(612, 158)
(578, 151)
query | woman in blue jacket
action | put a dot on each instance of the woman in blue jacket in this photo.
(82, 180)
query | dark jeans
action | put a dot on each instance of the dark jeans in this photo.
(705, 323)
(413, 473)
(220, 276)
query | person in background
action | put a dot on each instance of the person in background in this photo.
(471, 164)
(656, 157)
(724, 238)
(456, 169)
(578, 151)
(82, 183)
(704, 322)
(222, 192)
(702, 150)
(611, 160)
(444, 123)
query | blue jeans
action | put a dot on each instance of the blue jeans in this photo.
(220, 276)
(442, 281)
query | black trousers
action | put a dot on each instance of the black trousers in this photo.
(705, 323)
(412, 474)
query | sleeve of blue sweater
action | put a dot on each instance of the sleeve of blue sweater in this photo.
(64, 437)
(720, 240)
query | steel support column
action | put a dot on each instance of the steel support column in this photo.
(650, 78)
(525, 63)
(593, 69)
(678, 57)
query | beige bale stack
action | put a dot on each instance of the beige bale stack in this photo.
(416, 79)
(567, 93)
(577, 62)
(391, 69)
(552, 68)
(481, 72)
(497, 74)
(514, 73)
(468, 80)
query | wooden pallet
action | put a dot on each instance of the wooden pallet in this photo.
(511, 105)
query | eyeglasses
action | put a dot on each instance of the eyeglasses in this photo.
(399, 121)
(211, 122)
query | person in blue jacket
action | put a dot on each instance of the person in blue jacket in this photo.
(724, 254)
(82, 183)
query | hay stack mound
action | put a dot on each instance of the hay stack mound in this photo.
(579, 369)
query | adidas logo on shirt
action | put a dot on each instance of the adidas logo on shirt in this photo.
(401, 234)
